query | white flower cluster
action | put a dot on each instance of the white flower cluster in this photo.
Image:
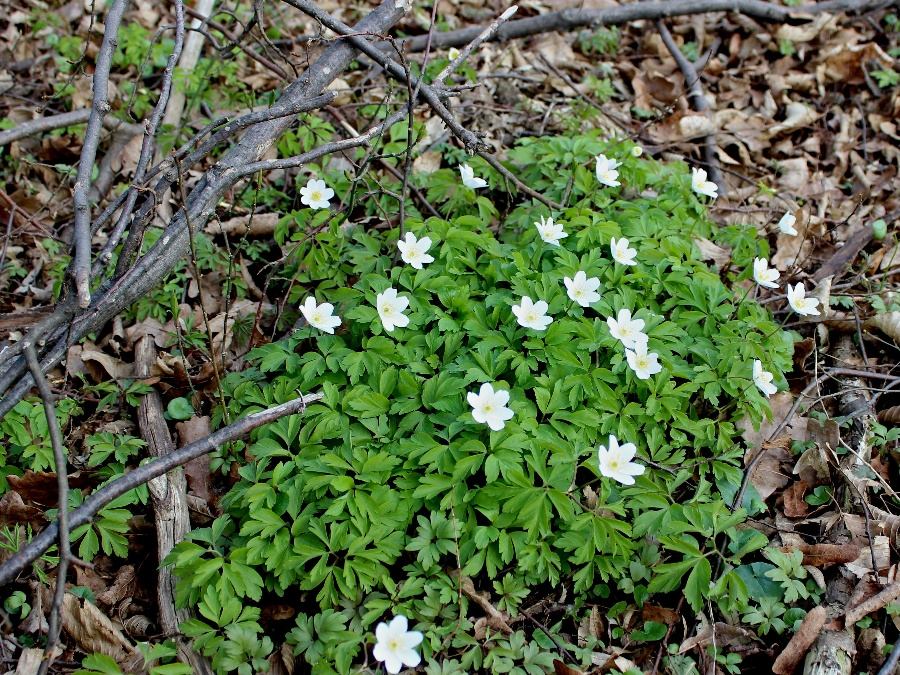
(395, 643)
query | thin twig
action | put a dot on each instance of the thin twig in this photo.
(485, 35)
(81, 263)
(143, 474)
(62, 486)
(149, 142)
(471, 142)
(698, 102)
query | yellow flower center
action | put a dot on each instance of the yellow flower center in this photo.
(316, 196)
(487, 408)
(642, 362)
(614, 464)
(393, 644)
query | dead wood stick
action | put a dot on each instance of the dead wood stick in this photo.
(143, 474)
(62, 485)
(42, 124)
(81, 262)
(169, 496)
(570, 19)
(873, 604)
(801, 641)
(698, 101)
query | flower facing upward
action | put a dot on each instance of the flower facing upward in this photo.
(390, 308)
(489, 406)
(395, 646)
(763, 274)
(582, 289)
(606, 171)
(550, 232)
(626, 330)
(532, 314)
(320, 316)
(415, 251)
(644, 364)
(637, 151)
(316, 194)
(469, 179)
(621, 253)
(786, 224)
(800, 303)
(615, 461)
(452, 53)
(701, 186)
(763, 379)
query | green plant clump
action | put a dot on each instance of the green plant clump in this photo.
(380, 497)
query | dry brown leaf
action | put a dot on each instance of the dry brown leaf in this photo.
(712, 252)
(94, 631)
(797, 116)
(124, 585)
(794, 504)
(781, 403)
(14, 511)
(115, 368)
(888, 323)
(890, 415)
(196, 470)
(768, 476)
(824, 555)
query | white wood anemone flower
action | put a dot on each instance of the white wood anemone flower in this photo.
(320, 316)
(763, 379)
(644, 364)
(582, 289)
(701, 185)
(626, 330)
(395, 645)
(621, 252)
(489, 406)
(615, 461)
(532, 314)
(550, 232)
(469, 178)
(786, 224)
(763, 274)
(452, 53)
(390, 308)
(800, 303)
(414, 252)
(606, 171)
(315, 194)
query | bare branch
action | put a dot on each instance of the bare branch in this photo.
(485, 35)
(43, 124)
(62, 484)
(698, 102)
(81, 263)
(143, 474)
(570, 19)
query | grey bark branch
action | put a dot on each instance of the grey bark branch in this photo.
(698, 101)
(62, 485)
(83, 515)
(149, 143)
(81, 264)
(570, 19)
(43, 124)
